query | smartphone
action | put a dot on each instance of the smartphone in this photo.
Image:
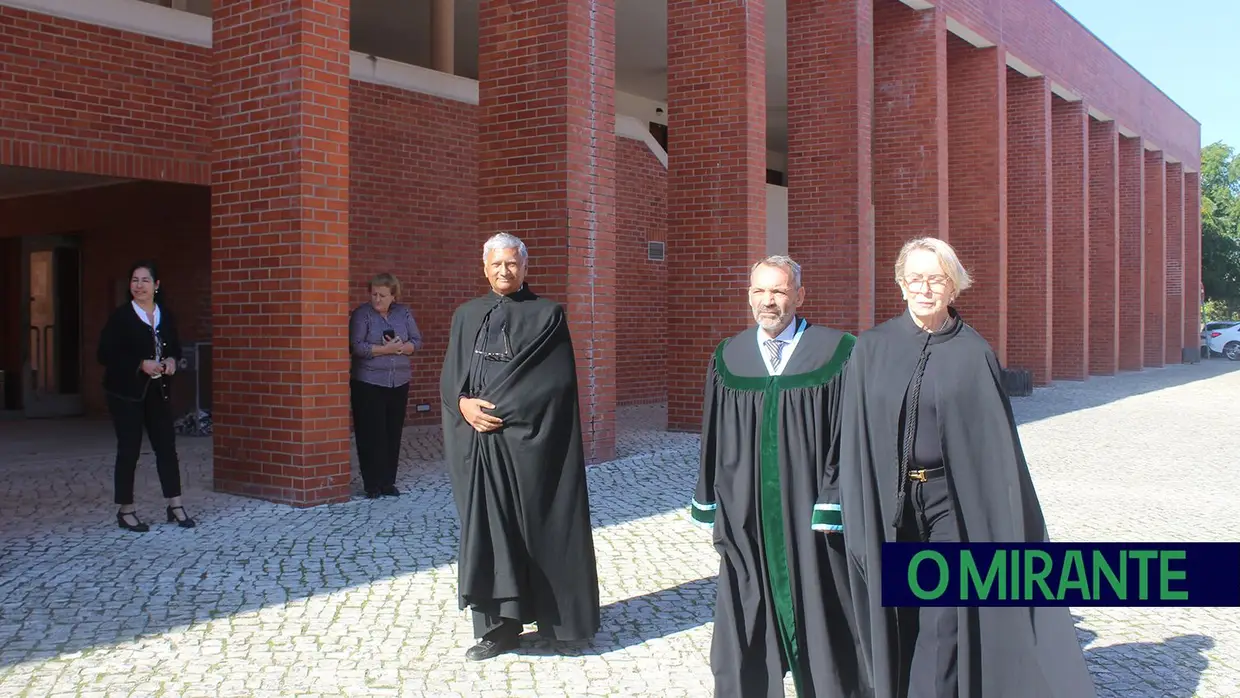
(389, 335)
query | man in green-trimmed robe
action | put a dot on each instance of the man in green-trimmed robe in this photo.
(767, 484)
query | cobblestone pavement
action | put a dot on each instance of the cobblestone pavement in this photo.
(359, 598)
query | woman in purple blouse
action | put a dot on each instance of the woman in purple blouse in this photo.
(382, 336)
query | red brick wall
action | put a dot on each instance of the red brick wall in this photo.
(1175, 263)
(546, 172)
(279, 249)
(641, 314)
(116, 226)
(1045, 36)
(830, 222)
(1104, 288)
(910, 138)
(413, 211)
(976, 127)
(86, 98)
(1131, 254)
(1029, 225)
(1155, 258)
(716, 195)
(1070, 240)
(1192, 260)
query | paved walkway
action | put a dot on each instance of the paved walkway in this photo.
(359, 598)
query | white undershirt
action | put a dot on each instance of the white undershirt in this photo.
(790, 336)
(142, 313)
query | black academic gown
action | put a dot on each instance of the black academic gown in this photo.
(768, 456)
(1004, 652)
(526, 547)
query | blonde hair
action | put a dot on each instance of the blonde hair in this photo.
(948, 259)
(386, 280)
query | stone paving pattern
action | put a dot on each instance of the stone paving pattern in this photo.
(359, 598)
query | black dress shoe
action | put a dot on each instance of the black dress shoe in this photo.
(122, 519)
(389, 491)
(488, 648)
(186, 522)
(372, 494)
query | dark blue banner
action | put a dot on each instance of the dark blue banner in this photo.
(1061, 574)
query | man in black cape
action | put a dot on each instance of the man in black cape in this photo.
(512, 441)
(965, 422)
(767, 485)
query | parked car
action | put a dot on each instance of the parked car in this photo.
(1223, 338)
(1206, 353)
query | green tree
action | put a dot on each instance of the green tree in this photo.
(1220, 228)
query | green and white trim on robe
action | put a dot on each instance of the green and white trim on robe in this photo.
(703, 514)
(828, 518)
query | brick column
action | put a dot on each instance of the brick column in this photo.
(977, 195)
(1131, 338)
(1104, 287)
(1070, 243)
(716, 185)
(830, 101)
(1155, 258)
(1029, 225)
(1175, 264)
(1192, 260)
(546, 172)
(280, 249)
(910, 138)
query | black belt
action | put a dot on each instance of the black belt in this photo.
(927, 474)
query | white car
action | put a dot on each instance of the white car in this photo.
(1225, 341)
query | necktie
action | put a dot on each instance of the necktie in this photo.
(774, 347)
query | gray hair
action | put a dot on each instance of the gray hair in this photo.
(505, 241)
(781, 262)
(948, 259)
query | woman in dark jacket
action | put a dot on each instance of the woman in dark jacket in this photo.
(139, 349)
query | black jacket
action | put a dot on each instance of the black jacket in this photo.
(127, 341)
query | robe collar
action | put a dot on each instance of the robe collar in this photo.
(522, 294)
(911, 328)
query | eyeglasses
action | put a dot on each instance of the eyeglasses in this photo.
(937, 282)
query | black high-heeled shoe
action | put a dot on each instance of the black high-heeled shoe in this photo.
(186, 522)
(138, 527)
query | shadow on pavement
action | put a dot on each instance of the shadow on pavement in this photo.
(1063, 397)
(1168, 669)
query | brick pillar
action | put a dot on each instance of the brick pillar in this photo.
(830, 99)
(1104, 287)
(910, 138)
(1155, 258)
(546, 172)
(280, 249)
(977, 195)
(1131, 337)
(1175, 263)
(1070, 243)
(1192, 260)
(716, 185)
(1029, 224)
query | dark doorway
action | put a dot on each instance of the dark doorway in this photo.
(52, 315)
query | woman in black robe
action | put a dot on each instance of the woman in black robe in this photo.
(930, 452)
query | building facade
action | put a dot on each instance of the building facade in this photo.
(272, 155)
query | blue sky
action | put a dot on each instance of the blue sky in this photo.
(1188, 48)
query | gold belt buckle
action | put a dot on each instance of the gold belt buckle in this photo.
(918, 475)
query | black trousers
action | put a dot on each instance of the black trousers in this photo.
(129, 418)
(492, 623)
(378, 421)
(931, 635)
